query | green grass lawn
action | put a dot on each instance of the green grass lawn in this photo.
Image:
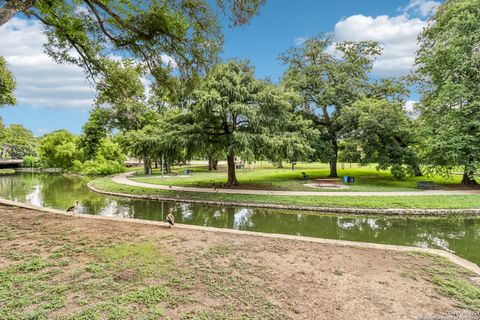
(417, 202)
(267, 177)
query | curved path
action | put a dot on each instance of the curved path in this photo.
(123, 179)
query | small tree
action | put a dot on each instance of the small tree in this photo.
(58, 149)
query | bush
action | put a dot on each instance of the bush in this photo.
(99, 166)
(31, 162)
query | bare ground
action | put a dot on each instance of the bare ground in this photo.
(54, 266)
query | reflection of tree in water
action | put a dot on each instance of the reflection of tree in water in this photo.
(458, 234)
(243, 219)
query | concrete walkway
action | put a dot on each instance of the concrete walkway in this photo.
(123, 179)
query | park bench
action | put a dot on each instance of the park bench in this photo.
(426, 185)
(329, 182)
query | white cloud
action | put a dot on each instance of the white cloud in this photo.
(299, 41)
(41, 82)
(397, 35)
(422, 7)
(409, 107)
(168, 60)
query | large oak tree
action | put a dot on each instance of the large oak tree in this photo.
(329, 76)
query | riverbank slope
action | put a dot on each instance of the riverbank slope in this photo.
(92, 268)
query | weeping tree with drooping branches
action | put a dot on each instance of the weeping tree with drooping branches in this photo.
(236, 114)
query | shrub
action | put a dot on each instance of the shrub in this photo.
(99, 166)
(31, 162)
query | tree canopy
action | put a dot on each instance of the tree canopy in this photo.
(7, 84)
(448, 74)
(237, 114)
(59, 149)
(328, 76)
(163, 34)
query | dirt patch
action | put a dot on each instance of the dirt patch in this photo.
(98, 269)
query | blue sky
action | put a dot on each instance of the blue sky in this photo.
(55, 96)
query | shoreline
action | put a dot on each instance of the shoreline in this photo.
(337, 210)
(472, 267)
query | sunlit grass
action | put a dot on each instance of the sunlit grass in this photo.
(266, 176)
(383, 202)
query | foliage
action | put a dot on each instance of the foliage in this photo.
(20, 141)
(99, 166)
(7, 84)
(94, 130)
(31, 162)
(121, 101)
(162, 34)
(448, 74)
(379, 131)
(58, 149)
(327, 81)
(237, 114)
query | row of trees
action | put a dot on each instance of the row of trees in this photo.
(326, 106)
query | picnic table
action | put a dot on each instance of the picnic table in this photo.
(329, 182)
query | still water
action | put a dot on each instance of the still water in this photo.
(459, 235)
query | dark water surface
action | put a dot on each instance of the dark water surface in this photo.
(459, 235)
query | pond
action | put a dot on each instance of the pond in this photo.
(459, 235)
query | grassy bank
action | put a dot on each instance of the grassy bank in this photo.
(63, 267)
(265, 176)
(384, 202)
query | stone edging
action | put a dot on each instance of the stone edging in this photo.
(450, 256)
(351, 210)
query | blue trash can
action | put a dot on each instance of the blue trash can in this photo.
(187, 171)
(346, 179)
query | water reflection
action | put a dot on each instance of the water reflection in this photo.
(456, 234)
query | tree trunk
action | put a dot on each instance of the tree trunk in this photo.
(468, 177)
(232, 178)
(215, 164)
(168, 167)
(333, 169)
(333, 161)
(147, 166)
(210, 164)
(156, 164)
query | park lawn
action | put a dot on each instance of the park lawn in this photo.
(265, 176)
(381, 202)
(55, 266)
